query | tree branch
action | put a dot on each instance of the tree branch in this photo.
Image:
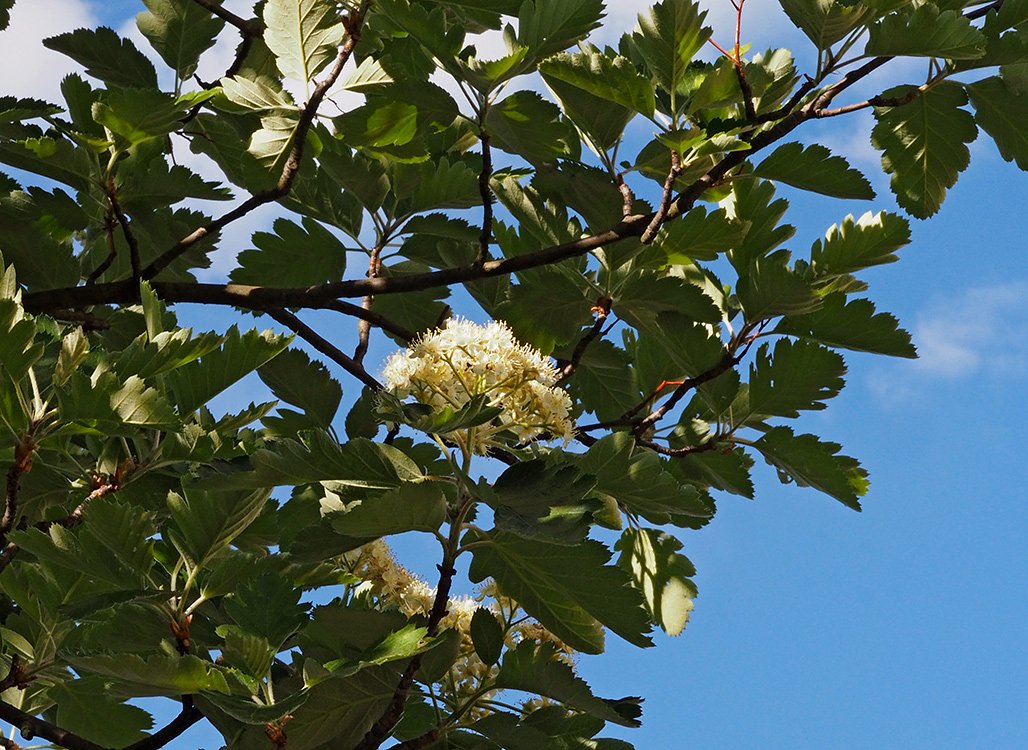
(665, 201)
(324, 346)
(289, 170)
(31, 726)
(247, 28)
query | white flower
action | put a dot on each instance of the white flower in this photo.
(452, 365)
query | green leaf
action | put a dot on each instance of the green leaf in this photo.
(303, 35)
(106, 56)
(814, 168)
(661, 574)
(258, 95)
(198, 382)
(925, 31)
(728, 471)
(13, 109)
(151, 675)
(669, 35)
(923, 144)
(1001, 112)
(5, 13)
(340, 711)
(855, 245)
(640, 483)
(547, 27)
(271, 143)
(319, 197)
(606, 76)
(645, 295)
(206, 521)
(527, 125)
(180, 31)
(138, 115)
(487, 636)
(535, 669)
(18, 348)
(360, 463)
(268, 606)
(770, 289)
(85, 707)
(800, 375)
(258, 714)
(294, 378)
(379, 123)
(810, 462)
(569, 589)
(825, 22)
(540, 501)
(699, 235)
(851, 325)
(752, 203)
(605, 381)
(408, 507)
(293, 255)
(250, 653)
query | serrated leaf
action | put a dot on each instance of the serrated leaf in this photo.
(547, 27)
(535, 669)
(315, 457)
(661, 574)
(638, 481)
(18, 347)
(728, 471)
(296, 379)
(258, 714)
(153, 675)
(268, 606)
(923, 144)
(646, 295)
(851, 325)
(752, 203)
(257, 95)
(1001, 112)
(107, 56)
(605, 381)
(610, 78)
(540, 501)
(854, 245)
(668, 36)
(699, 235)
(271, 143)
(569, 589)
(13, 109)
(825, 22)
(409, 507)
(206, 521)
(198, 382)
(180, 31)
(303, 35)
(770, 289)
(527, 125)
(85, 708)
(926, 31)
(293, 255)
(800, 375)
(814, 168)
(810, 462)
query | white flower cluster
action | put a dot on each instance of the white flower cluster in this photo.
(452, 365)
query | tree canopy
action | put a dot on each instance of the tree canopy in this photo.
(647, 337)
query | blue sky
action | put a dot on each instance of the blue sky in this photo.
(901, 627)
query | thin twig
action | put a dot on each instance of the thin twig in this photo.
(486, 194)
(112, 249)
(364, 325)
(665, 201)
(289, 170)
(627, 196)
(601, 310)
(126, 230)
(248, 28)
(324, 346)
(22, 465)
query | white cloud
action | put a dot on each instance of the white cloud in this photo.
(980, 332)
(984, 328)
(30, 69)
